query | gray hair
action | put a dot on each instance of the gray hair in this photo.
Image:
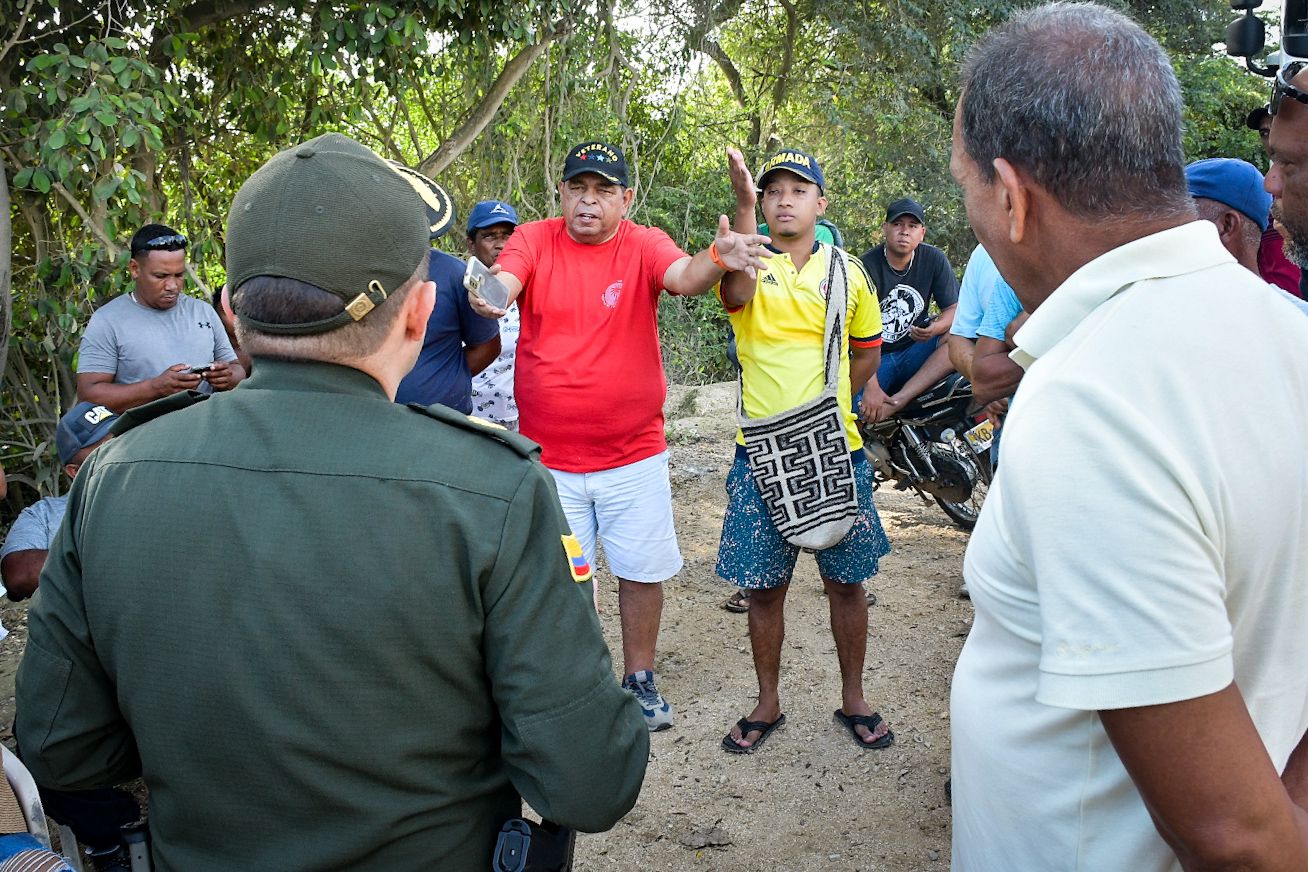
(280, 300)
(1084, 100)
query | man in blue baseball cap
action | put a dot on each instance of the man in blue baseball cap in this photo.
(1230, 193)
(96, 816)
(490, 225)
(80, 431)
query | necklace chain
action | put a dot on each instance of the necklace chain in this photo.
(904, 271)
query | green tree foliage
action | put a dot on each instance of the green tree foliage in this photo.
(117, 113)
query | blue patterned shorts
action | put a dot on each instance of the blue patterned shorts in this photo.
(753, 555)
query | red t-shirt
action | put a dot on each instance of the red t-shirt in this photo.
(589, 373)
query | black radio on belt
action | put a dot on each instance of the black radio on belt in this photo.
(527, 846)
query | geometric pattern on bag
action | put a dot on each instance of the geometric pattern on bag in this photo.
(803, 470)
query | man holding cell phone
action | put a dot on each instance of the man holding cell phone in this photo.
(590, 384)
(156, 340)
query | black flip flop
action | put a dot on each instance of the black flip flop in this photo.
(747, 727)
(849, 722)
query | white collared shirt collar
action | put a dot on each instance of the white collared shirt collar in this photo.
(1176, 251)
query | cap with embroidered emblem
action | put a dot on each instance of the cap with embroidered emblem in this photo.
(600, 158)
(488, 213)
(801, 163)
(332, 214)
(82, 426)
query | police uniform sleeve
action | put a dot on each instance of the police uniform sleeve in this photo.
(574, 743)
(70, 731)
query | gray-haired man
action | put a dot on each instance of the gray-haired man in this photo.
(1133, 684)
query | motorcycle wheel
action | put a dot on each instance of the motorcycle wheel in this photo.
(977, 466)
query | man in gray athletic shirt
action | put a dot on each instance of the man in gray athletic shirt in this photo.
(155, 341)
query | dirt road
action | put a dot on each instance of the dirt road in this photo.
(810, 799)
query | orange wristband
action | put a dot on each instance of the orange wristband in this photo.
(713, 255)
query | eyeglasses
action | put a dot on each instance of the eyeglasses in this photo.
(1282, 88)
(159, 243)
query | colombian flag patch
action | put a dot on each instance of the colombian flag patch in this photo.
(577, 564)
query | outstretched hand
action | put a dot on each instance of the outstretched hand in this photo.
(742, 180)
(741, 251)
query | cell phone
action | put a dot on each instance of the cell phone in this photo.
(480, 283)
(200, 370)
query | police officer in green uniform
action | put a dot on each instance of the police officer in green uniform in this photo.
(330, 632)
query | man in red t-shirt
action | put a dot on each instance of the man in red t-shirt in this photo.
(590, 385)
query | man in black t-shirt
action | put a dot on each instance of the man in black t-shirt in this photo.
(909, 275)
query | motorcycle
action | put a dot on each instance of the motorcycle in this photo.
(935, 447)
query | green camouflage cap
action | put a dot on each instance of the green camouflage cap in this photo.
(331, 213)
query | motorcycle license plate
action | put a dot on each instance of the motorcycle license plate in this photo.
(980, 436)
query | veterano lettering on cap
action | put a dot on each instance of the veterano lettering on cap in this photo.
(801, 163)
(331, 213)
(600, 158)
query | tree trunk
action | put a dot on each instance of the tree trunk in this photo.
(484, 112)
(6, 260)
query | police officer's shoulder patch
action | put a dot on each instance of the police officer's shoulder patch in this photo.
(577, 563)
(520, 444)
(133, 418)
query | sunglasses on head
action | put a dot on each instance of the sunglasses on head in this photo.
(1282, 87)
(176, 240)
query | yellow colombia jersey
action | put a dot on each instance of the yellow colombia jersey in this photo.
(779, 335)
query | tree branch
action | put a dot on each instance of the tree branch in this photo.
(10, 43)
(788, 57)
(483, 113)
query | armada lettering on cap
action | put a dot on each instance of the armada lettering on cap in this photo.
(793, 157)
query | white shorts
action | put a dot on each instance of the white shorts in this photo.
(630, 508)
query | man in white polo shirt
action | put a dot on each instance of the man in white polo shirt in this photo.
(1134, 684)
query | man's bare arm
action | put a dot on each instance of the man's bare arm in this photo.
(738, 288)
(22, 571)
(995, 375)
(481, 356)
(961, 350)
(99, 388)
(1295, 776)
(1212, 791)
(737, 252)
(863, 365)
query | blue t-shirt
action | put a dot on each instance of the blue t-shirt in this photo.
(1003, 308)
(35, 528)
(441, 373)
(979, 281)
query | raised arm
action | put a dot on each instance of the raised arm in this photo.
(738, 288)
